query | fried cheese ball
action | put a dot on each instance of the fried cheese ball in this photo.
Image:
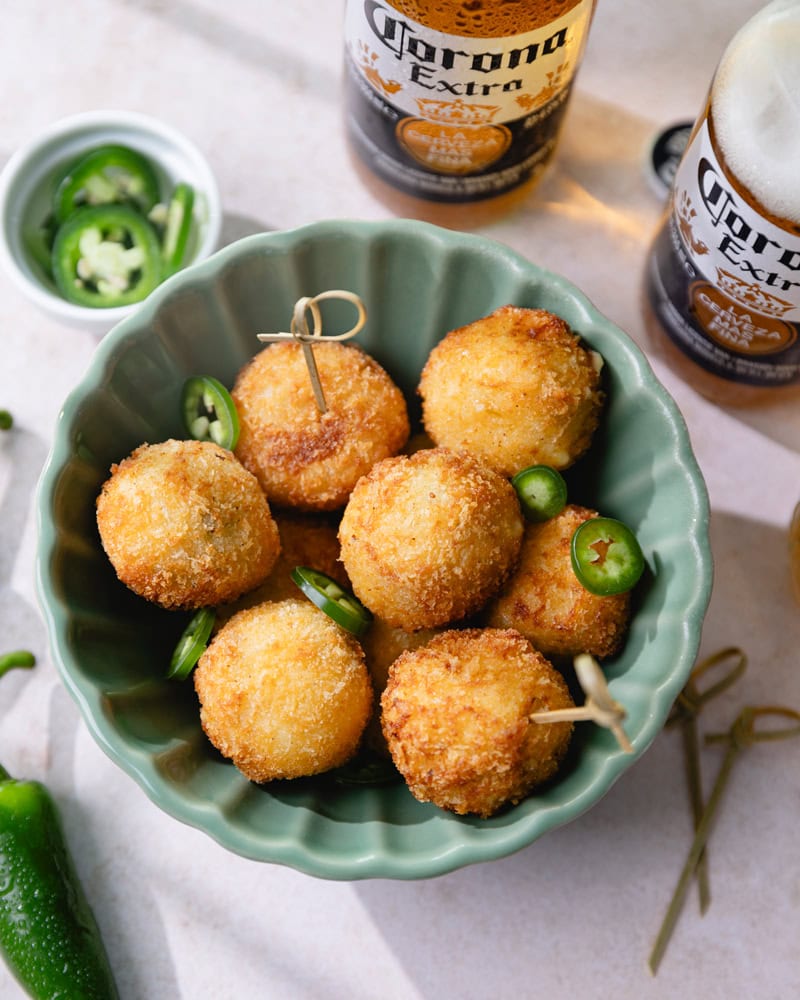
(418, 442)
(186, 525)
(304, 458)
(456, 716)
(382, 644)
(516, 388)
(283, 691)
(546, 602)
(306, 540)
(427, 539)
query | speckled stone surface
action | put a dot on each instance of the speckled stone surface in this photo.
(256, 85)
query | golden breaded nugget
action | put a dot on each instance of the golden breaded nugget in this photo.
(186, 525)
(306, 540)
(304, 458)
(456, 716)
(428, 538)
(516, 388)
(382, 644)
(546, 602)
(283, 691)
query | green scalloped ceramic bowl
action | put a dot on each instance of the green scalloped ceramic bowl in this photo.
(111, 647)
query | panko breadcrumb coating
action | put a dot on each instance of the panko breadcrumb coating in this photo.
(283, 691)
(185, 525)
(304, 458)
(516, 388)
(546, 602)
(418, 442)
(427, 539)
(456, 716)
(306, 540)
(382, 644)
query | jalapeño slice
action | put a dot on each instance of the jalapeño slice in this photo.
(191, 644)
(108, 174)
(542, 492)
(39, 241)
(178, 227)
(209, 413)
(345, 609)
(606, 556)
(106, 256)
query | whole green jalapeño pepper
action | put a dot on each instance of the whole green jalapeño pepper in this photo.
(48, 935)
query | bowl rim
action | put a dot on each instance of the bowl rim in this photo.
(26, 156)
(470, 849)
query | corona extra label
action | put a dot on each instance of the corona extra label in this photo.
(451, 117)
(724, 279)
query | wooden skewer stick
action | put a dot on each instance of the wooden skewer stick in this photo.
(599, 706)
(688, 705)
(743, 733)
(300, 333)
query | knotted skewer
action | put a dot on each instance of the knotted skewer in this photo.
(743, 733)
(598, 707)
(688, 705)
(299, 332)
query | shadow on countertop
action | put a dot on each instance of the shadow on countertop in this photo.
(582, 905)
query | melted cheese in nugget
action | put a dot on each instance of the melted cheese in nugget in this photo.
(427, 539)
(304, 458)
(283, 691)
(456, 717)
(516, 388)
(185, 525)
(546, 602)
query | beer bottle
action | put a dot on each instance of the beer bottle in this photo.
(453, 107)
(723, 275)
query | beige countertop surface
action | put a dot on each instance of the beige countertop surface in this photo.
(255, 84)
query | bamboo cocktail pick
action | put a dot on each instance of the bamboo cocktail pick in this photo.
(299, 332)
(688, 705)
(742, 734)
(599, 706)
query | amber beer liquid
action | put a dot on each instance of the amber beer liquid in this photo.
(723, 276)
(453, 105)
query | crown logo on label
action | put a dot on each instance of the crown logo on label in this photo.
(751, 294)
(456, 112)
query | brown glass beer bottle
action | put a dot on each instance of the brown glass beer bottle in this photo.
(723, 274)
(453, 107)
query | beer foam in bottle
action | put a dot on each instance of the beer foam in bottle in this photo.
(755, 106)
(723, 276)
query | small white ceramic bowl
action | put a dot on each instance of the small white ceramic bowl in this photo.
(26, 190)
